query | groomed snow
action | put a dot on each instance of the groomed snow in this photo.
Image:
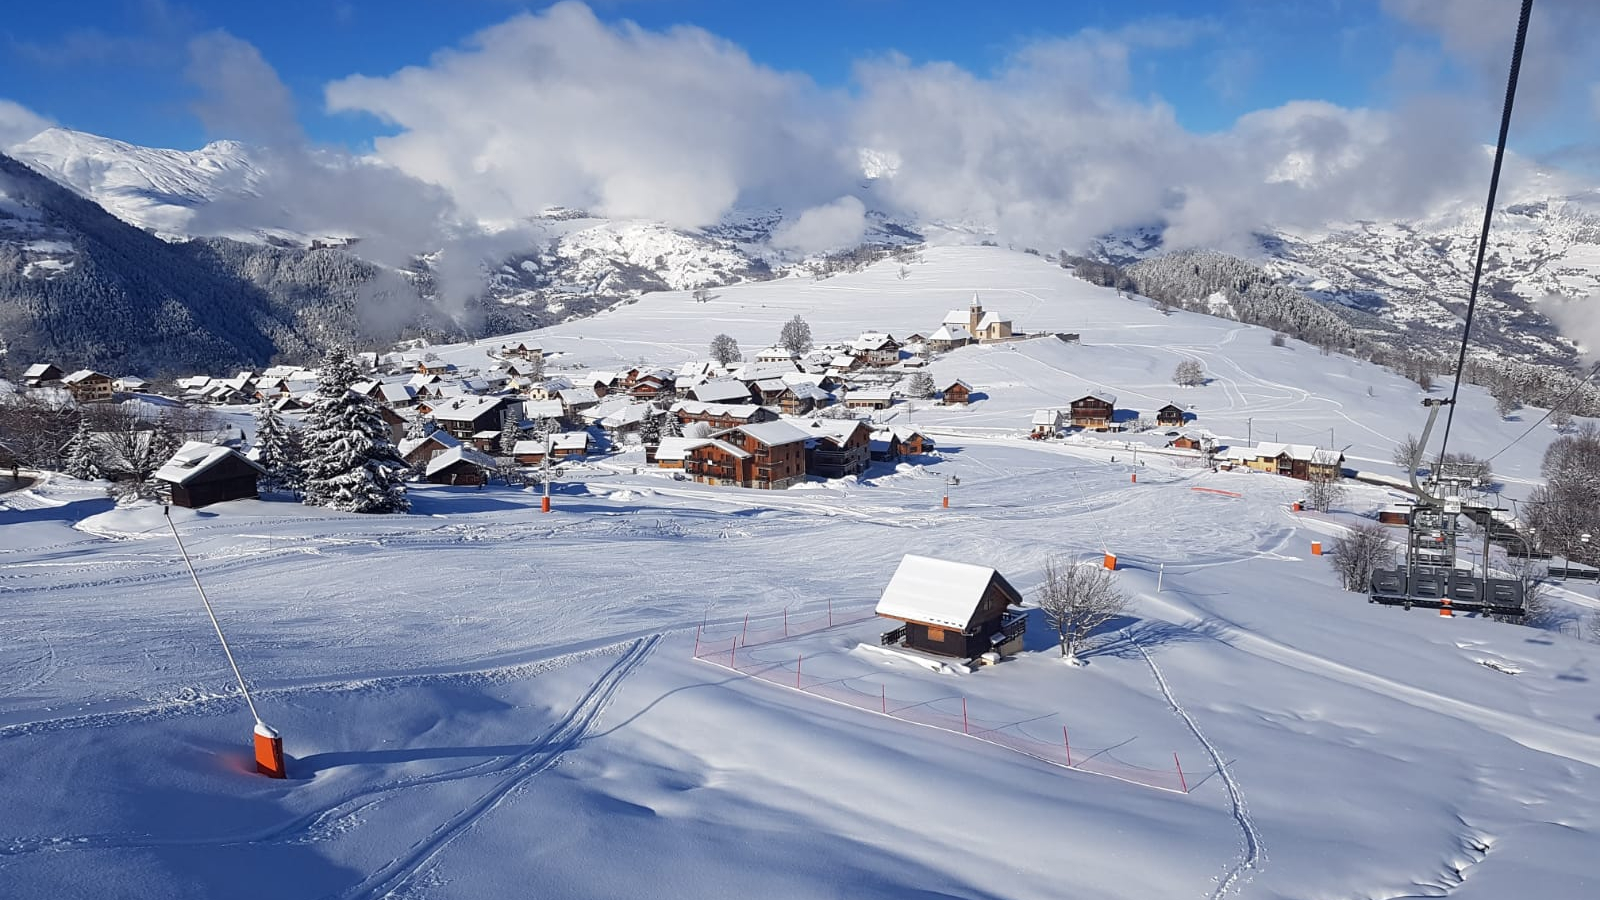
(482, 700)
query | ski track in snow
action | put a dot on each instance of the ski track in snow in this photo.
(1253, 855)
(568, 733)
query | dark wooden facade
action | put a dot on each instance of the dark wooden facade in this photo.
(976, 638)
(771, 465)
(1171, 414)
(956, 393)
(1092, 412)
(461, 473)
(713, 464)
(833, 456)
(232, 478)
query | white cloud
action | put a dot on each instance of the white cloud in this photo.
(240, 94)
(560, 108)
(18, 123)
(833, 226)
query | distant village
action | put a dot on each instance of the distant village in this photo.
(794, 411)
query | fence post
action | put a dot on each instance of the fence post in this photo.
(733, 653)
(797, 661)
(697, 641)
(745, 634)
(1068, 742)
(830, 612)
(964, 727)
(883, 697)
(1181, 779)
(786, 621)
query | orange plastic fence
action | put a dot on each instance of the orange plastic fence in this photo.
(1217, 491)
(739, 651)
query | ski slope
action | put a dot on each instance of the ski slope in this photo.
(481, 700)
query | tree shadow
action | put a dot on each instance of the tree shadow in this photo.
(306, 767)
(1127, 635)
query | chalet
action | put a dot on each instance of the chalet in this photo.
(1094, 411)
(130, 384)
(434, 367)
(625, 421)
(952, 609)
(912, 441)
(548, 389)
(776, 355)
(1170, 415)
(725, 391)
(569, 444)
(1301, 461)
(871, 398)
(777, 451)
(42, 375)
(398, 424)
(650, 385)
(799, 399)
(462, 466)
(394, 395)
(844, 363)
(418, 451)
(1046, 423)
(768, 391)
(1186, 442)
(673, 451)
(575, 400)
(876, 349)
(201, 474)
(721, 415)
(522, 350)
(885, 446)
(466, 417)
(838, 447)
(715, 462)
(957, 392)
(543, 410)
(530, 452)
(949, 337)
(88, 386)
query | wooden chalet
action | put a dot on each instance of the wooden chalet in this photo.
(722, 415)
(88, 386)
(132, 384)
(777, 452)
(530, 452)
(522, 350)
(716, 462)
(912, 441)
(776, 355)
(1301, 461)
(1170, 415)
(42, 375)
(468, 417)
(433, 367)
(725, 391)
(1185, 442)
(769, 391)
(871, 398)
(799, 399)
(569, 445)
(461, 466)
(1094, 411)
(952, 609)
(416, 452)
(838, 447)
(201, 474)
(885, 446)
(877, 349)
(957, 392)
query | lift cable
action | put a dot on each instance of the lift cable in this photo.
(1488, 215)
(1593, 370)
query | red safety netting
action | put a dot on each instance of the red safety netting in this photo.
(1035, 738)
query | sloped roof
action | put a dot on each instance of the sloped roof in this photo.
(543, 409)
(82, 375)
(735, 410)
(459, 454)
(570, 440)
(773, 434)
(466, 409)
(678, 447)
(1102, 396)
(194, 458)
(724, 446)
(952, 332)
(991, 319)
(1046, 417)
(938, 591)
(528, 446)
(720, 391)
(38, 370)
(441, 437)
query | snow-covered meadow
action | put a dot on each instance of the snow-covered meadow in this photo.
(482, 700)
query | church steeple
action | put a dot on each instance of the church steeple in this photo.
(974, 316)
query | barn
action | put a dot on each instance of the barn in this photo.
(952, 608)
(201, 474)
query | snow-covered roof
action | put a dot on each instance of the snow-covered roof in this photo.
(194, 458)
(836, 430)
(678, 447)
(530, 446)
(570, 440)
(83, 375)
(774, 434)
(442, 438)
(628, 414)
(991, 319)
(960, 317)
(872, 395)
(958, 383)
(396, 393)
(938, 591)
(459, 454)
(733, 410)
(466, 409)
(543, 409)
(952, 332)
(37, 370)
(720, 391)
(1102, 396)
(730, 449)
(1047, 417)
(773, 385)
(1298, 452)
(873, 340)
(488, 434)
(578, 396)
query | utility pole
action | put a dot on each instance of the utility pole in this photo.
(1249, 431)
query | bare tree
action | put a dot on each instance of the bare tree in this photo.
(920, 386)
(725, 350)
(1077, 599)
(1537, 611)
(1189, 373)
(795, 337)
(1323, 490)
(1408, 453)
(1465, 465)
(1361, 551)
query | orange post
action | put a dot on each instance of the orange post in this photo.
(947, 501)
(1316, 548)
(544, 504)
(1133, 477)
(269, 752)
(1444, 609)
(1296, 506)
(1111, 561)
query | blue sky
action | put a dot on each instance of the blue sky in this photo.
(116, 67)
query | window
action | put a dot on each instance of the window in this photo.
(935, 633)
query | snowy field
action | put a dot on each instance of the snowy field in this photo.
(481, 700)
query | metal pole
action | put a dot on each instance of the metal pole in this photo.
(1161, 572)
(1249, 431)
(167, 511)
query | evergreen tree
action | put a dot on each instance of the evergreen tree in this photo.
(80, 462)
(510, 433)
(350, 461)
(921, 386)
(276, 450)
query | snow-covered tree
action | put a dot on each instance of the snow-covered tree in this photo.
(277, 450)
(420, 427)
(670, 426)
(1189, 373)
(725, 350)
(920, 386)
(1077, 599)
(796, 336)
(510, 433)
(350, 461)
(80, 461)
